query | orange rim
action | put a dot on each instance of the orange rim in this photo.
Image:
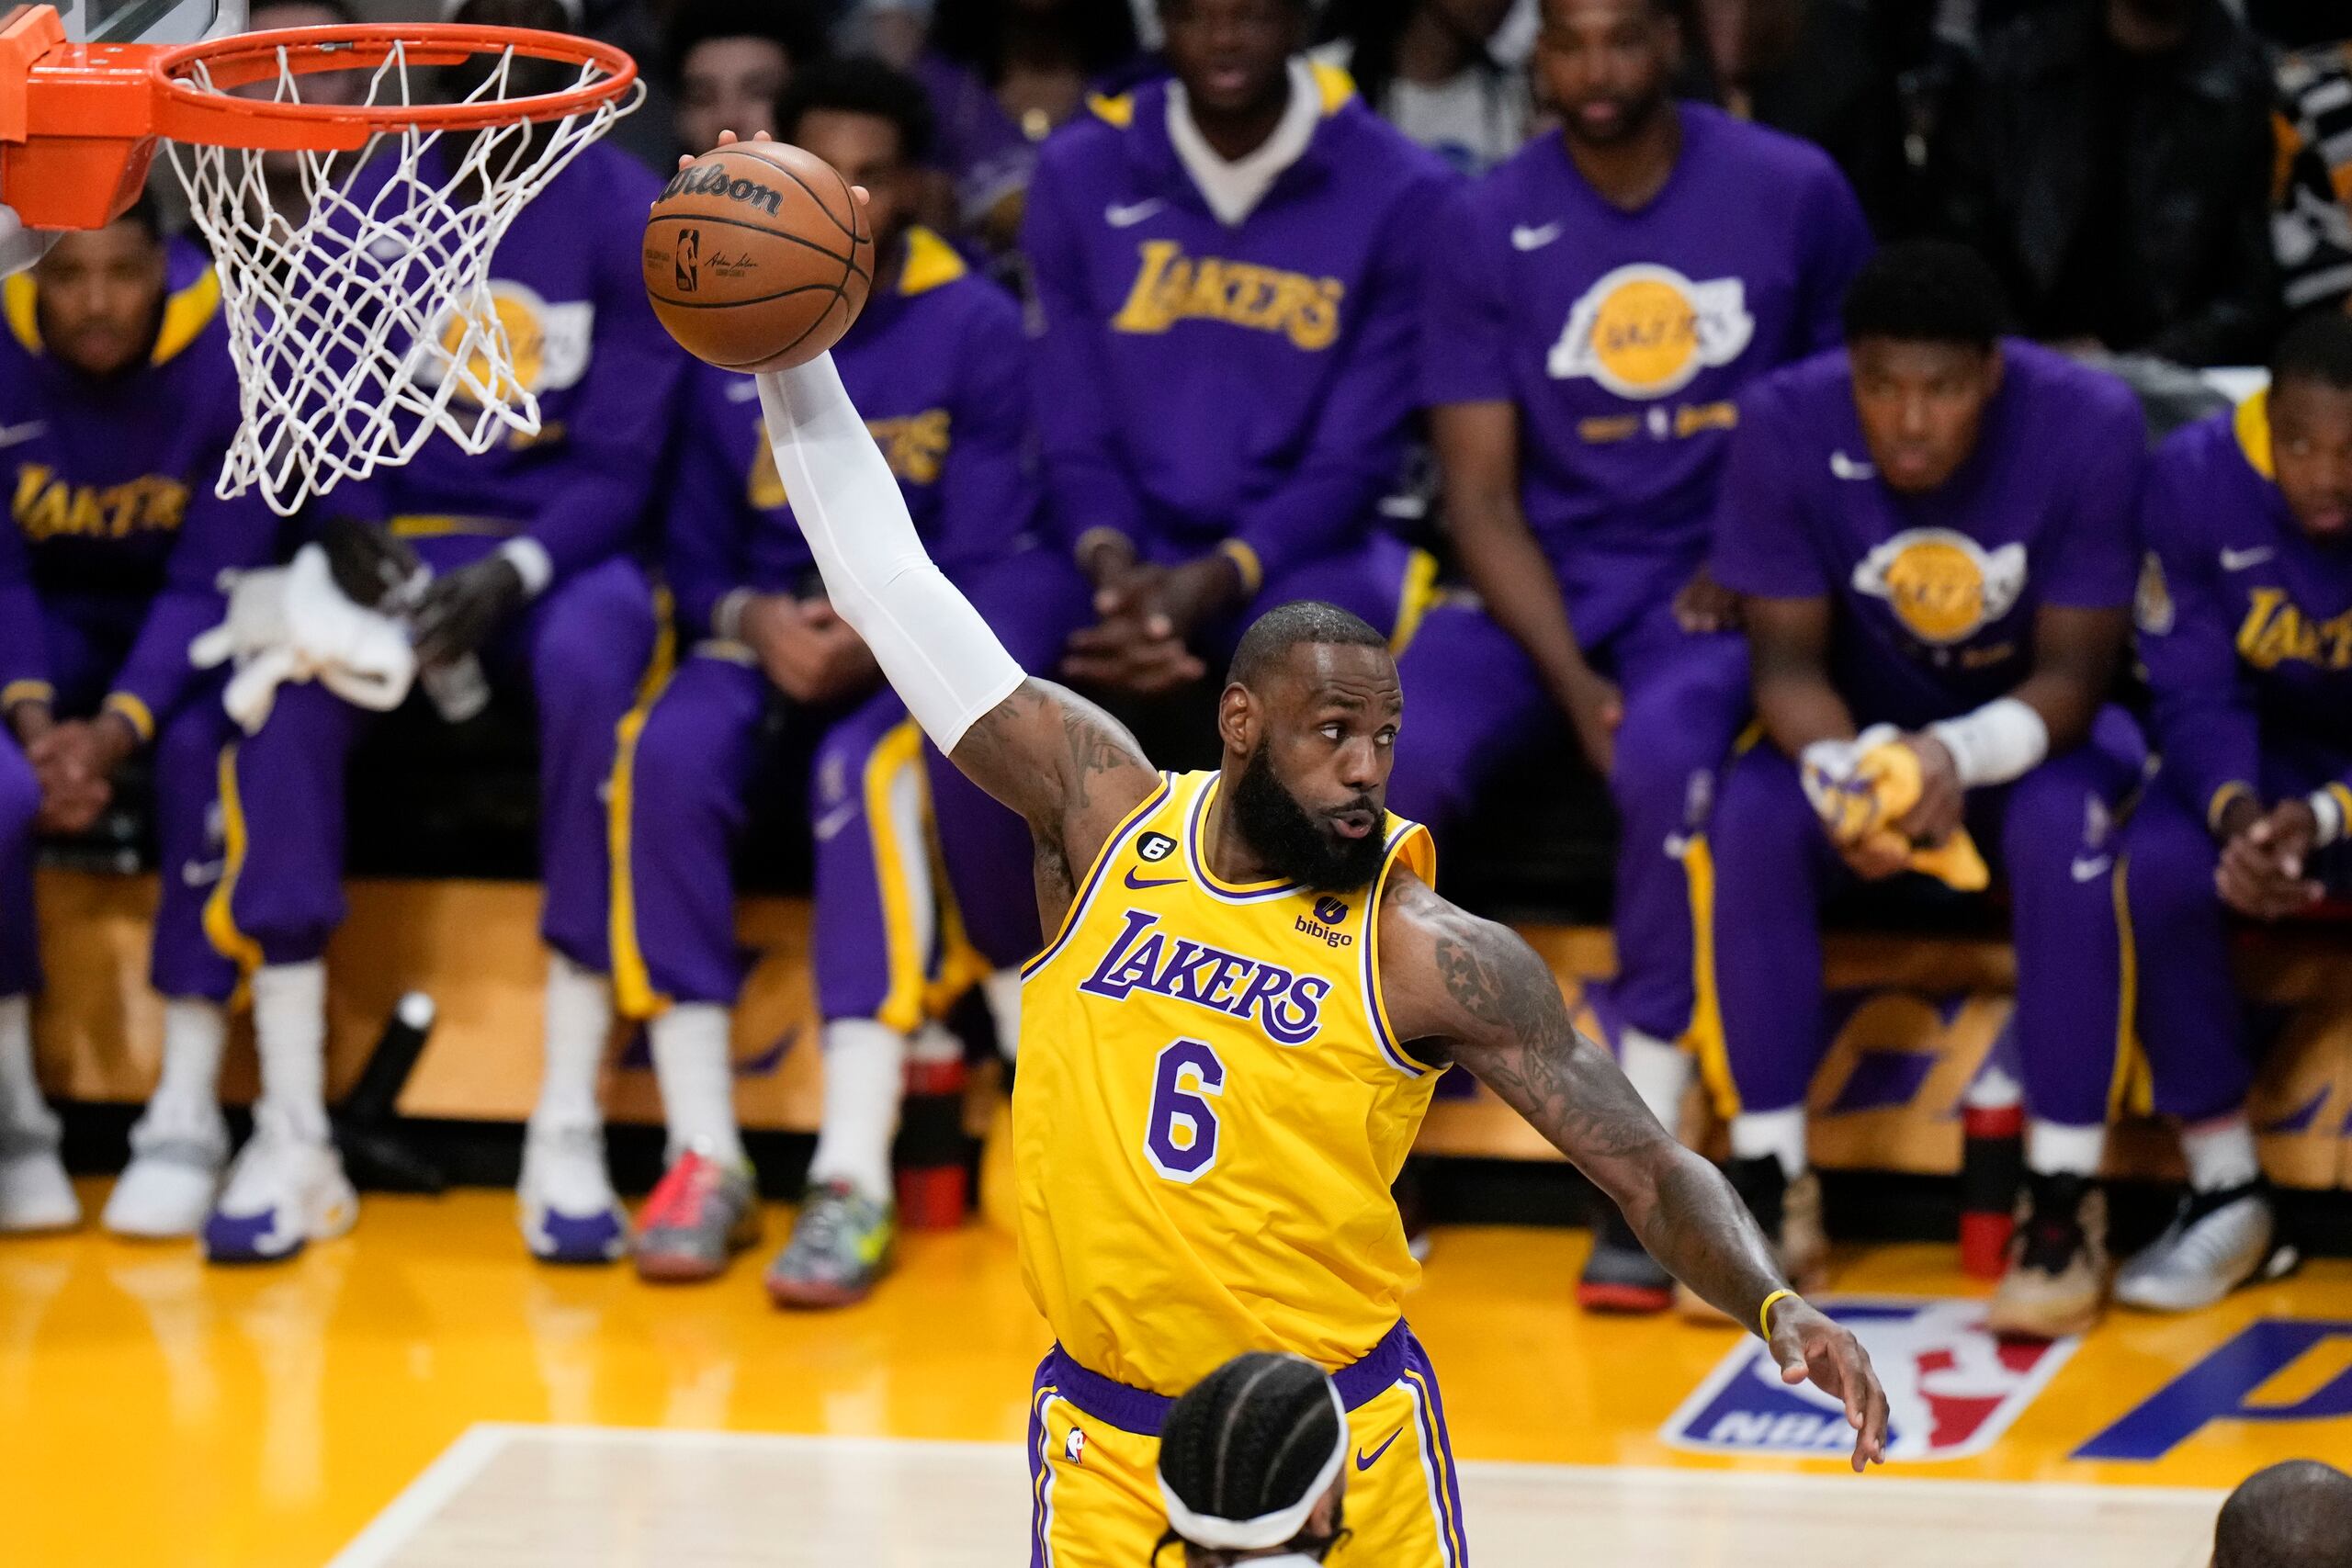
(191, 111)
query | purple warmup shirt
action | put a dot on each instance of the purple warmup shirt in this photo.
(1196, 382)
(934, 364)
(2245, 625)
(116, 526)
(1935, 593)
(1623, 337)
(570, 286)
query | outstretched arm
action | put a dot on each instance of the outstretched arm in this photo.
(1069, 768)
(1450, 976)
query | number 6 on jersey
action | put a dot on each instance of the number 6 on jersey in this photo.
(1181, 1137)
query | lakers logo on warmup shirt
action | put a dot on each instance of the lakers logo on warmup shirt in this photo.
(1942, 585)
(1645, 330)
(549, 343)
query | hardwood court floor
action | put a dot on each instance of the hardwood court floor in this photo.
(154, 1411)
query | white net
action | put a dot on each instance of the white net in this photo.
(357, 284)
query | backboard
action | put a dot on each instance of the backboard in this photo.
(150, 21)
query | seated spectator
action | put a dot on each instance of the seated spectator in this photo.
(118, 401)
(729, 59)
(2248, 588)
(2113, 159)
(936, 362)
(1251, 1465)
(1427, 67)
(1598, 303)
(1815, 69)
(2293, 1515)
(1932, 531)
(524, 544)
(2314, 223)
(1002, 76)
(1228, 272)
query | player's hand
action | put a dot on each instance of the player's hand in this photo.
(2261, 870)
(1123, 653)
(1874, 857)
(461, 608)
(1190, 594)
(858, 194)
(797, 650)
(1812, 1349)
(29, 721)
(840, 663)
(75, 763)
(1702, 606)
(1595, 709)
(1942, 801)
(366, 562)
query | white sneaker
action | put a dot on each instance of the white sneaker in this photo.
(175, 1170)
(284, 1190)
(34, 1193)
(2216, 1243)
(565, 1200)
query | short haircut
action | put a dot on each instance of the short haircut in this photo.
(2318, 348)
(859, 84)
(1252, 1439)
(2295, 1515)
(793, 25)
(1283, 628)
(1927, 291)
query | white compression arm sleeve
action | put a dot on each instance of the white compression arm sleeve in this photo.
(947, 667)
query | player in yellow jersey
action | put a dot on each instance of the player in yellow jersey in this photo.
(1228, 1044)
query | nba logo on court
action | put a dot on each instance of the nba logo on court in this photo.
(1953, 1388)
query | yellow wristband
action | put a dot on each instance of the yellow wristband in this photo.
(1764, 1312)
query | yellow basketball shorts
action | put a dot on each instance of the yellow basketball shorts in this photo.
(1094, 1467)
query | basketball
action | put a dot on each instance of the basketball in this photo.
(757, 257)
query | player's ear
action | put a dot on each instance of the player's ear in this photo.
(1239, 719)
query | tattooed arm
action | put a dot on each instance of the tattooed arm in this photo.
(1471, 990)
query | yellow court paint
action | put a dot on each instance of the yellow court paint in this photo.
(153, 1410)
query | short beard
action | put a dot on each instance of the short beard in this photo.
(1293, 845)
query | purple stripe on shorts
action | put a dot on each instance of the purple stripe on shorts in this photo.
(1142, 1413)
(1439, 1444)
(1039, 1519)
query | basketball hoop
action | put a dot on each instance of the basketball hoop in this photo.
(353, 239)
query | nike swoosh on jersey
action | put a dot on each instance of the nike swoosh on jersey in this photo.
(1162, 882)
(16, 434)
(1846, 468)
(1130, 214)
(2086, 867)
(833, 821)
(1525, 237)
(2238, 560)
(1366, 1463)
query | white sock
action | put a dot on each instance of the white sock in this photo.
(578, 1021)
(2054, 1150)
(2220, 1152)
(1993, 1090)
(697, 1072)
(1781, 1134)
(1001, 991)
(1658, 1072)
(20, 1102)
(194, 1031)
(865, 1075)
(290, 1032)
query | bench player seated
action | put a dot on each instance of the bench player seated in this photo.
(118, 400)
(1226, 270)
(1252, 1465)
(2245, 629)
(936, 359)
(1933, 533)
(1600, 302)
(510, 538)
(1211, 1105)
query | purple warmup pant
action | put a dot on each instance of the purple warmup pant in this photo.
(1473, 701)
(2191, 1019)
(2048, 834)
(278, 837)
(86, 642)
(679, 798)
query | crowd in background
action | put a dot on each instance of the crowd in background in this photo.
(1478, 392)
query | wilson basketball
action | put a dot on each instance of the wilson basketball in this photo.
(757, 257)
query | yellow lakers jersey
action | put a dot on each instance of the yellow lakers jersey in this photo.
(1210, 1108)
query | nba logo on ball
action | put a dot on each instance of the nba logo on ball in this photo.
(1953, 1388)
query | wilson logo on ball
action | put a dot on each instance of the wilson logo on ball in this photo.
(715, 182)
(687, 256)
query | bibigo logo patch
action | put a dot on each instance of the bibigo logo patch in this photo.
(1953, 1387)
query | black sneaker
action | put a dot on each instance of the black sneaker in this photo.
(2056, 1281)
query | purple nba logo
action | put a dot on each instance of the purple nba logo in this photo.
(1953, 1388)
